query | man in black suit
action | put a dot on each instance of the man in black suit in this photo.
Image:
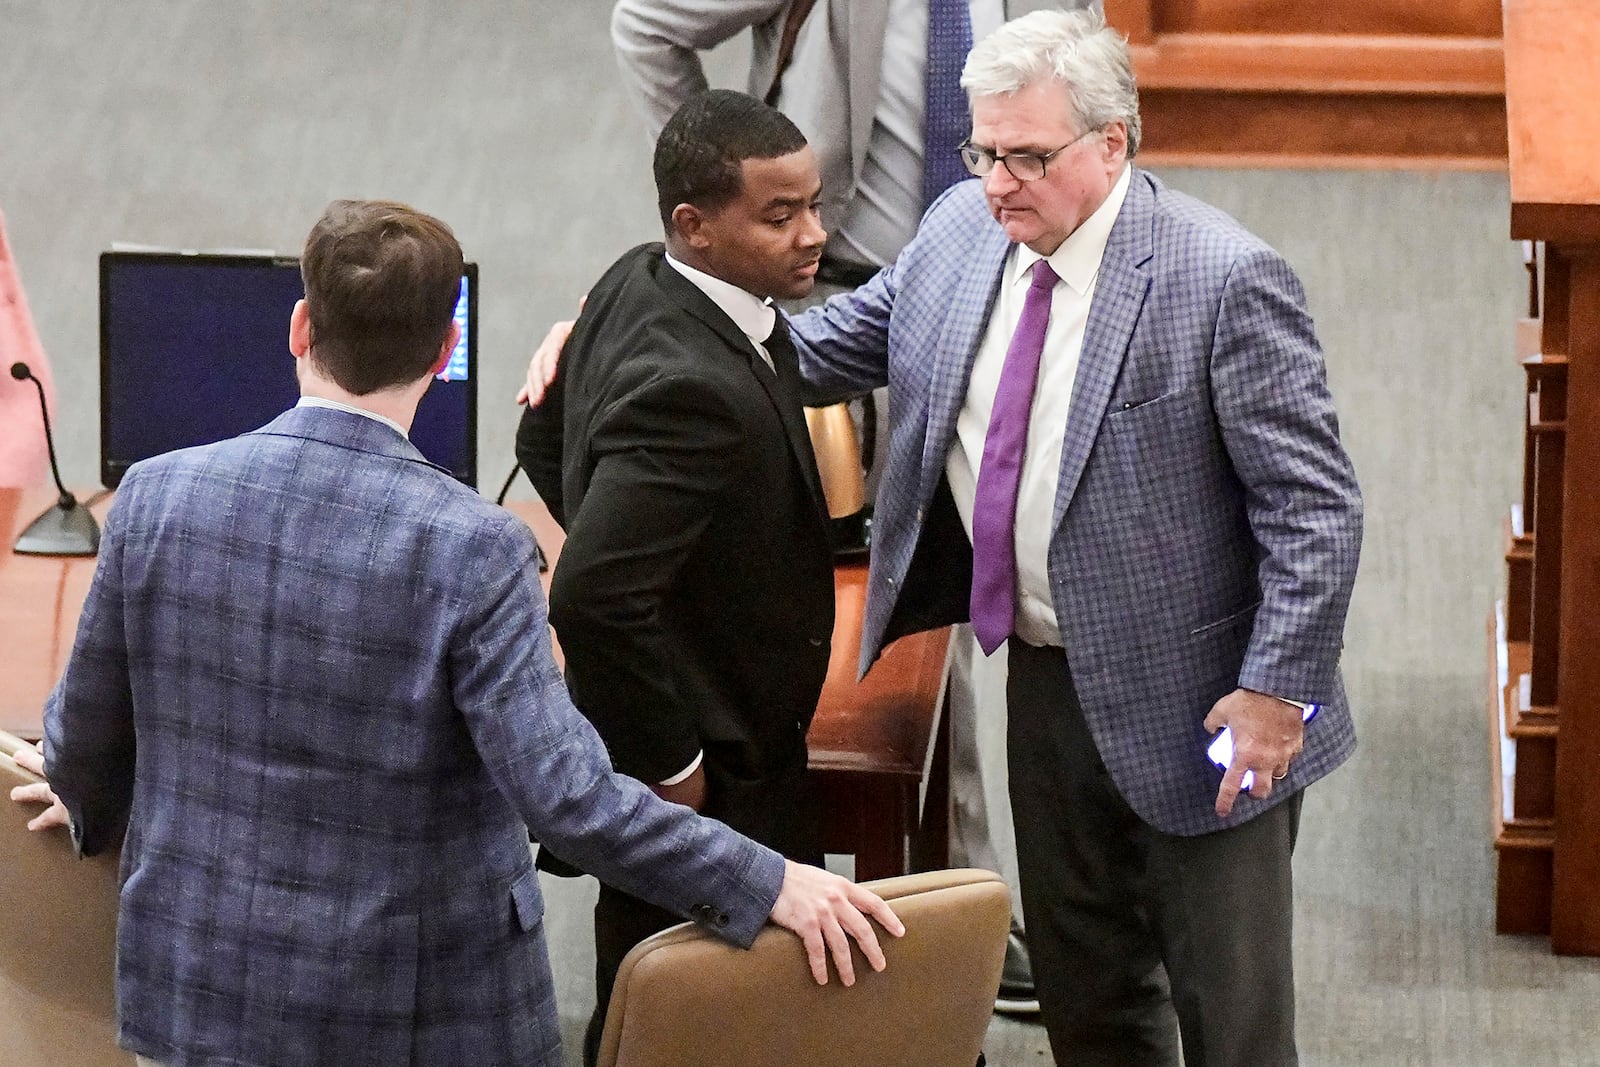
(694, 595)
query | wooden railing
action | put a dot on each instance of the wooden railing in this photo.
(1544, 648)
(1318, 83)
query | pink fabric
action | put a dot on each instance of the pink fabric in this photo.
(23, 456)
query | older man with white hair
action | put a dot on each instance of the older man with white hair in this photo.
(1113, 449)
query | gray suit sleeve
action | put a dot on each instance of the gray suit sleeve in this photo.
(1270, 393)
(658, 44)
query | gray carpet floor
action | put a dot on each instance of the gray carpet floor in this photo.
(194, 124)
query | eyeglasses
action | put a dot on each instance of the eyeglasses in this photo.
(1023, 166)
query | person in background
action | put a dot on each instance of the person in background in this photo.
(313, 684)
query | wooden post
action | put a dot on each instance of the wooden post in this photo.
(1575, 909)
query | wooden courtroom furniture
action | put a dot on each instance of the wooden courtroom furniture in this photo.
(40, 600)
(1309, 83)
(1544, 638)
(57, 1003)
(872, 744)
(684, 997)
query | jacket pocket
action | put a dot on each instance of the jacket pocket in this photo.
(526, 900)
(1217, 624)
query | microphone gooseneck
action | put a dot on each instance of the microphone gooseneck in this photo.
(66, 529)
(22, 373)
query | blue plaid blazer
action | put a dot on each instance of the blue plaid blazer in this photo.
(313, 676)
(1207, 520)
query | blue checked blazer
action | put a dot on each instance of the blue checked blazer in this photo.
(1207, 520)
(313, 676)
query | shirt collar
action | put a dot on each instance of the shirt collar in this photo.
(1077, 260)
(754, 317)
(323, 402)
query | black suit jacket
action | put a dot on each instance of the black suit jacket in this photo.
(694, 596)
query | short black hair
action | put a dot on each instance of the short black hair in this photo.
(700, 150)
(381, 280)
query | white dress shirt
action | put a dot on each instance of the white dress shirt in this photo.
(323, 402)
(1077, 265)
(754, 316)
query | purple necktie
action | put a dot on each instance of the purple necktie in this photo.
(994, 508)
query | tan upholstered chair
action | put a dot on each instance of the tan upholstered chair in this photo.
(57, 953)
(685, 999)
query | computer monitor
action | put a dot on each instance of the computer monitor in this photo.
(194, 348)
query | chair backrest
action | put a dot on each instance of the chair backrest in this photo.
(684, 997)
(58, 949)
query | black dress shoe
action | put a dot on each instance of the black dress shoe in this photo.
(1017, 996)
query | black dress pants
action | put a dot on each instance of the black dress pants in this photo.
(1142, 939)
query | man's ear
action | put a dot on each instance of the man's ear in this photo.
(300, 330)
(1115, 141)
(452, 337)
(690, 224)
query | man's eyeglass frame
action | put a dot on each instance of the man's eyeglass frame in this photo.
(980, 161)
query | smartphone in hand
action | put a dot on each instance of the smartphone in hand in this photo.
(1221, 747)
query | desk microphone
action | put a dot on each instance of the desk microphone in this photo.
(67, 529)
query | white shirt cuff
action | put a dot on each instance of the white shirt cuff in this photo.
(693, 766)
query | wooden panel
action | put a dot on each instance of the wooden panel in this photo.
(1575, 914)
(883, 724)
(1552, 82)
(1294, 129)
(58, 958)
(1534, 794)
(1522, 891)
(1323, 64)
(1365, 83)
(1135, 18)
(1549, 445)
(1462, 17)
(1557, 284)
(41, 598)
(1523, 847)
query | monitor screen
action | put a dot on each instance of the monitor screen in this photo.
(195, 349)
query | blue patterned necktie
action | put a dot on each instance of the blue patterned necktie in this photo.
(945, 122)
(994, 509)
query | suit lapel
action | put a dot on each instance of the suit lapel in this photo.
(784, 396)
(957, 346)
(782, 384)
(1118, 298)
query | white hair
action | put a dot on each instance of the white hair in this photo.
(1077, 49)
